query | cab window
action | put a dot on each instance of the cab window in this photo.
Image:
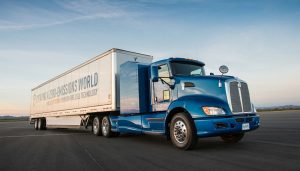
(163, 72)
(187, 69)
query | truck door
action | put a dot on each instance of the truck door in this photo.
(161, 97)
(161, 90)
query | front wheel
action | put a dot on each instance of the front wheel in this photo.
(182, 132)
(232, 138)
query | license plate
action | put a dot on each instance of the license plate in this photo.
(245, 126)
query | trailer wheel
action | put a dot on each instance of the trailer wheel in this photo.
(36, 122)
(182, 132)
(96, 126)
(106, 128)
(42, 124)
(232, 138)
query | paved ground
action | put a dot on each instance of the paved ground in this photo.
(274, 146)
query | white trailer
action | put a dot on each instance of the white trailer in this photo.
(69, 99)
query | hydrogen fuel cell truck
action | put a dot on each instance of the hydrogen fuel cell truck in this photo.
(124, 92)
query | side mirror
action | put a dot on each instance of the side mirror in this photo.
(211, 73)
(154, 73)
(223, 69)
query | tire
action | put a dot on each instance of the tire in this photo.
(97, 126)
(182, 132)
(232, 138)
(42, 124)
(106, 128)
(36, 122)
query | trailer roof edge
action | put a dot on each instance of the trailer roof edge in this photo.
(85, 63)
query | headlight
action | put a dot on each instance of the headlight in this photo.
(213, 111)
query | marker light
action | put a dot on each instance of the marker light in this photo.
(213, 110)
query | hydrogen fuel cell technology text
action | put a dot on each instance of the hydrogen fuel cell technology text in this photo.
(124, 92)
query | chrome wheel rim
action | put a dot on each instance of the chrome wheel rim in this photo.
(39, 124)
(36, 124)
(95, 125)
(105, 126)
(180, 131)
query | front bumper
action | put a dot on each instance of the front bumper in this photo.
(216, 126)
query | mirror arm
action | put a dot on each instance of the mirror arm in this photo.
(163, 81)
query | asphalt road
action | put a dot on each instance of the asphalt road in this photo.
(274, 146)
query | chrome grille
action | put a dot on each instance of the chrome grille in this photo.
(245, 97)
(235, 97)
(239, 97)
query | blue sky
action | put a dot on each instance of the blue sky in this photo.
(258, 40)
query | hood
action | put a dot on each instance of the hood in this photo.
(202, 85)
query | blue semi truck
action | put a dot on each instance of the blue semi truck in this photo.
(173, 97)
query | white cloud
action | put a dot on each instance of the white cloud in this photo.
(37, 17)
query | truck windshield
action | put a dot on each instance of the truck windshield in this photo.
(187, 69)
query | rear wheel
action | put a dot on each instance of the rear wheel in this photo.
(182, 132)
(106, 128)
(232, 138)
(97, 126)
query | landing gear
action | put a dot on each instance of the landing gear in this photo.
(182, 132)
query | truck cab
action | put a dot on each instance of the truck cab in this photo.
(176, 98)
